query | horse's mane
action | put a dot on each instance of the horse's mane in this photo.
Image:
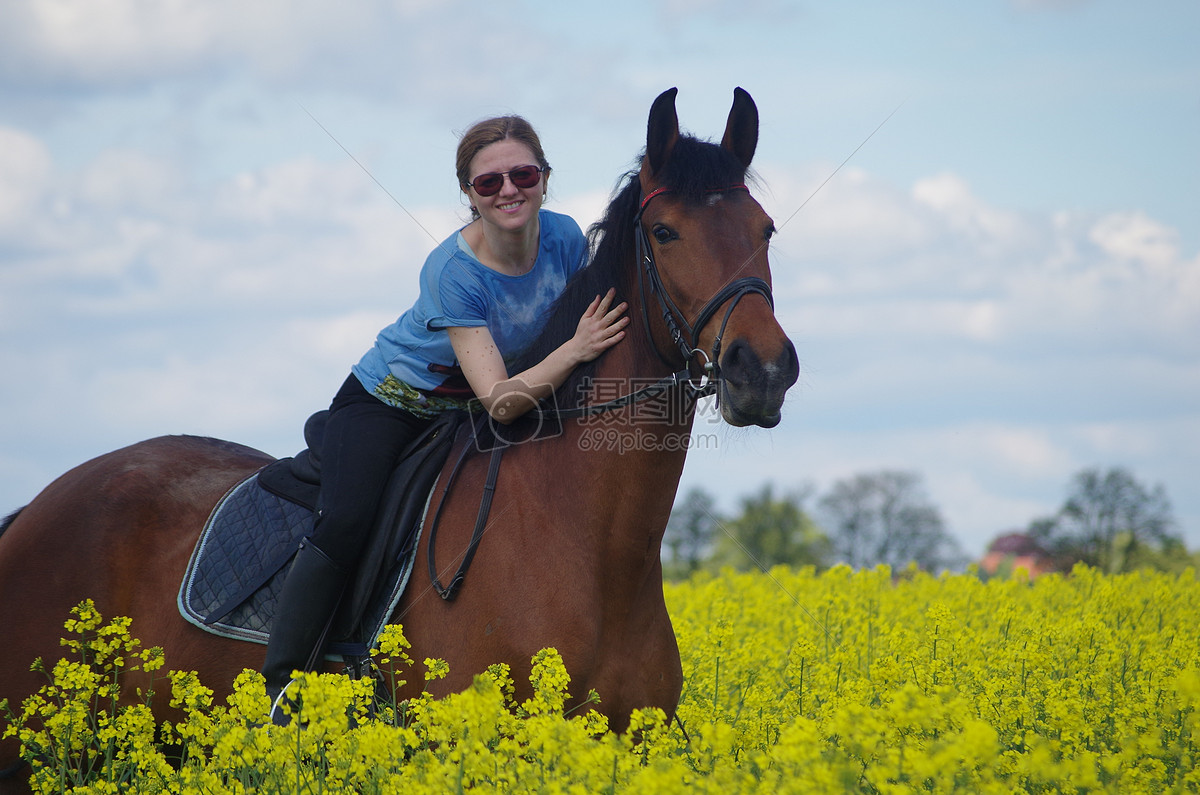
(12, 517)
(694, 169)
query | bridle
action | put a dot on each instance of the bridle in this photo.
(686, 336)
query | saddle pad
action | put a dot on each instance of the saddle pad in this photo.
(239, 564)
(249, 531)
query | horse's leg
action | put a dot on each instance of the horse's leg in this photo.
(640, 666)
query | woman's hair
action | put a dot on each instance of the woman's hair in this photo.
(489, 131)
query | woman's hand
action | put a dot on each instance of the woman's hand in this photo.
(601, 327)
(506, 398)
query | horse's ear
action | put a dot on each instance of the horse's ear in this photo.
(741, 131)
(662, 131)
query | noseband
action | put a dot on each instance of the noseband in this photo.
(687, 336)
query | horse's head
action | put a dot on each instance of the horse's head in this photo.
(703, 243)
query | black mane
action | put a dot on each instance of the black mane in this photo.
(695, 168)
(12, 517)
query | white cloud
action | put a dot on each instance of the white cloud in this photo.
(976, 512)
(396, 49)
(1016, 451)
(24, 173)
(1148, 438)
(127, 238)
(951, 197)
(125, 179)
(1134, 237)
(941, 264)
(936, 329)
(120, 41)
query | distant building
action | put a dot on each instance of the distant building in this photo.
(1011, 551)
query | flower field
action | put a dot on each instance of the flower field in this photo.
(794, 682)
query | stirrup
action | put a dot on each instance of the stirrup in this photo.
(278, 715)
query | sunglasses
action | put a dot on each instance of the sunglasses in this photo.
(490, 184)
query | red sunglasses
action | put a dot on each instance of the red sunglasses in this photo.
(490, 184)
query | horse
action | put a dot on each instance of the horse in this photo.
(570, 555)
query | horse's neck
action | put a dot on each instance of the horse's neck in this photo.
(630, 366)
(636, 451)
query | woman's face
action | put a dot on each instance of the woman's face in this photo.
(512, 208)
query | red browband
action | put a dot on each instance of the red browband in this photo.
(654, 193)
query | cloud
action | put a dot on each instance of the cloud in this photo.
(25, 165)
(416, 52)
(127, 178)
(128, 237)
(1133, 237)
(988, 229)
(939, 263)
(123, 42)
(995, 351)
(145, 304)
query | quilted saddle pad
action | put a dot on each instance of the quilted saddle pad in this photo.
(239, 564)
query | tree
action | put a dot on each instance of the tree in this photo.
(1110, 521)
(689, 534)
(885, 517)
(771, 532)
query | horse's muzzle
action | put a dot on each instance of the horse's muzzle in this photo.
(751, 390)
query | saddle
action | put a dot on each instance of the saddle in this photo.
(241, 559)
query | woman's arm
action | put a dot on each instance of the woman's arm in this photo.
(505, 398)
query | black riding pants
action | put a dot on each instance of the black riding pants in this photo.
(364, 438)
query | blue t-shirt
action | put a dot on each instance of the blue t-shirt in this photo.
(412, 364)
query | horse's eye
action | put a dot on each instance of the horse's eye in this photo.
(770, 231)
(663, 234)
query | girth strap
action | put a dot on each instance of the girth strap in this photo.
(448, 592)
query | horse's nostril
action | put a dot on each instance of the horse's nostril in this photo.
(733, 363)
(791, 364)
(741, 367)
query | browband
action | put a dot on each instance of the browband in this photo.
(654, 193)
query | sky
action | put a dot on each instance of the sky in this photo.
(208, 208)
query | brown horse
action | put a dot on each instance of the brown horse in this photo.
(570, 555)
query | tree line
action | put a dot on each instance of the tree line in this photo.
(1108, 520)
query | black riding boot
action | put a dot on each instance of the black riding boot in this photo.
(303, 614)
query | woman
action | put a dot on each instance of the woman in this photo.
(484, 293)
